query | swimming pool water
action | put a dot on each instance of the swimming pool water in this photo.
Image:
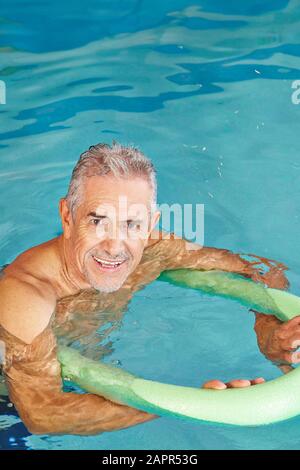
(205, 91)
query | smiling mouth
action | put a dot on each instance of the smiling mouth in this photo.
(108, 265)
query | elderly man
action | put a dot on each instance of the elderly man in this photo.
(107, 250)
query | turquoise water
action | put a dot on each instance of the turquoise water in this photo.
(205, 91)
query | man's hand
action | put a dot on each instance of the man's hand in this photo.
(280, 342)
(237, 383)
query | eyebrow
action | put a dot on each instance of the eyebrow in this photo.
(97, 216)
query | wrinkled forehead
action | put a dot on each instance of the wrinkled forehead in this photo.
(107, 195)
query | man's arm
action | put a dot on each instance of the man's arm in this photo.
(33, 374)
(276, 340)
(176, 253)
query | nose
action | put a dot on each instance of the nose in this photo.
(112, 246)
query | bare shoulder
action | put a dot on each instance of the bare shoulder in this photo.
(26, 306)
(35, 261)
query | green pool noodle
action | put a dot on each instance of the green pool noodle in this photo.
(266, 403)
(282, 304)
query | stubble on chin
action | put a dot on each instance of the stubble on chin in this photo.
(105, 288)
(109, 289)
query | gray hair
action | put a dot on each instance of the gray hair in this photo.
(103, 159)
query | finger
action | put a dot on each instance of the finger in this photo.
(215, 384)
(295, 357)
(293, 322)
(293, 330)
(291, 343)
(258, 380)
(238, 383)
(285, 333)
(285, 368)
(288, 357)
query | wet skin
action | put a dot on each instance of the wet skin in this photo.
(63, 287)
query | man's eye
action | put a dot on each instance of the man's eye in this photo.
(101, 221)
(133, 225)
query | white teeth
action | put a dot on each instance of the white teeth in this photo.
(108, 263)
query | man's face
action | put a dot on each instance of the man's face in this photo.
(110, 229)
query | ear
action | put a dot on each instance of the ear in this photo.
(66, 217)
